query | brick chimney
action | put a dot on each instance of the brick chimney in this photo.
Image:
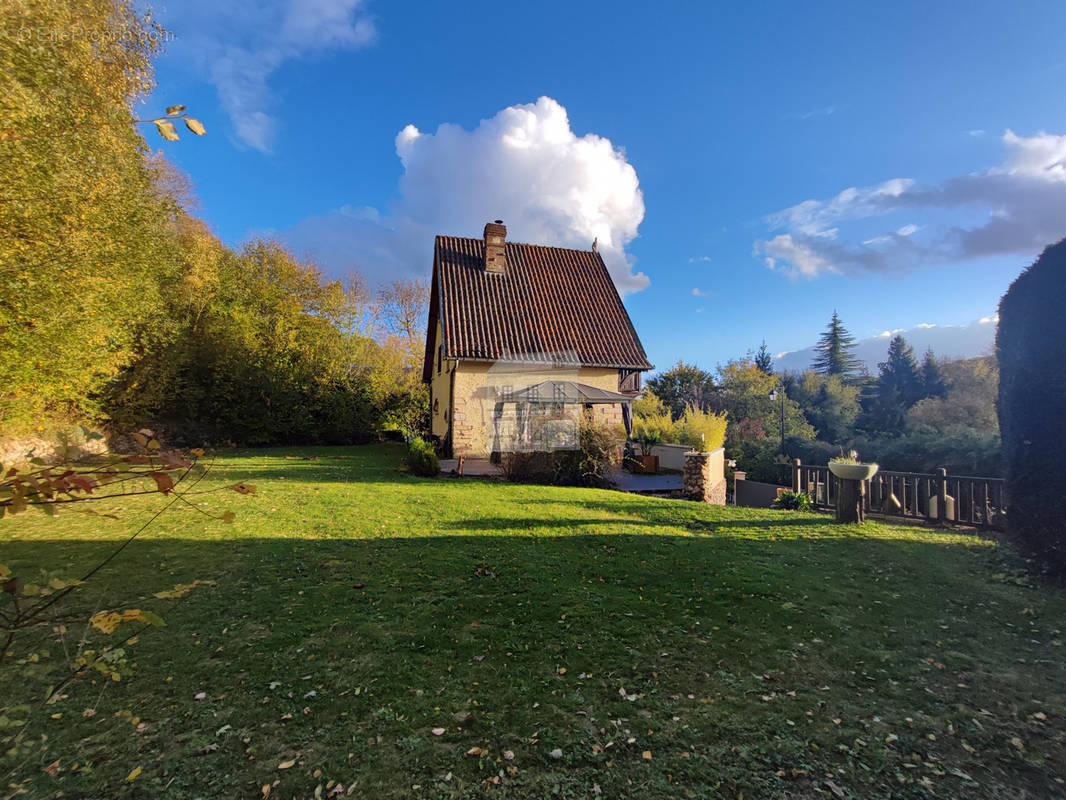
(495, 247)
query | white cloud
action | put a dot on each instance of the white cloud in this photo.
(977, 132)
(989, 320)
(926, 325)
(1017, 208)
(695, 259)
(524, 165)
(698, 292)
(238, 45)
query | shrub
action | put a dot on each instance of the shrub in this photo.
(527, 467)
(792, 501)
(599, 450)
(422, 458)
(651, 417)
(1030, 342)
(704, 430)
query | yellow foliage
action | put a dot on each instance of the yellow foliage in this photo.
(704, 430)
(651, 416)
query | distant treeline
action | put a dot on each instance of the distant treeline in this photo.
(912, 416)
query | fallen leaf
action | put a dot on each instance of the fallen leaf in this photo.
(646, 755)
(438, 731)
(556, 753)
(508, 755)
(53, 768)
(287, 764)
(134, 774)
(475, 751)
(199, 696)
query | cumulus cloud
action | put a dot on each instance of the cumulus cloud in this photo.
(238, 45)
(525, 166)
(1016, 208)
(698, 292)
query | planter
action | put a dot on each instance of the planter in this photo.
(853, 472)
(647, 465)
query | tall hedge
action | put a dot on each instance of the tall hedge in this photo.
(1031, 346)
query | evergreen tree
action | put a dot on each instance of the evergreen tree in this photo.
(932, 377)
(898, 387)
(836, 352)
(763, 359)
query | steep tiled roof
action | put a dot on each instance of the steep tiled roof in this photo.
(550, 301)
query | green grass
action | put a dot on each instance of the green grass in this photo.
(752, 653)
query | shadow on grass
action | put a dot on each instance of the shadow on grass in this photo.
(532, 634)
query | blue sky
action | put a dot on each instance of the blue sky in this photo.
(710, 147)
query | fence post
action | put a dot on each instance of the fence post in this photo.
(796, 464)
(942, 494)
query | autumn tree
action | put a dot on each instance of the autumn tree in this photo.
(84, 250)
(744, 394)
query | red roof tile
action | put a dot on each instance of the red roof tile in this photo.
(549, 303)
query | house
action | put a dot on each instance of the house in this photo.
(522, 338)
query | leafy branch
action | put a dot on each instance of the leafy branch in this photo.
(164, 125)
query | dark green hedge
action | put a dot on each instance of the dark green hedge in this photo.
(1031, 346)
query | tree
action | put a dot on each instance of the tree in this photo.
(1030, 343)
(744, 393)
(829, 403)
(681, 386)
(932, 377)
(835, 352)
(763, 359)
(968, 402)
(84, 250)
(898, 387)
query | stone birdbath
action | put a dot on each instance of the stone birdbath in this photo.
(851, 489)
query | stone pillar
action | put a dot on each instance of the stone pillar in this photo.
(704, 478)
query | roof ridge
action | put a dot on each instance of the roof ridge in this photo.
(523, 244)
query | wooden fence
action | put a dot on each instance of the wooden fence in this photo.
(938, 497)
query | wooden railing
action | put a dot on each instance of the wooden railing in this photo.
(938, 497)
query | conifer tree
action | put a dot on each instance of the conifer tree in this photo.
(932, 377)
(897, 388)
(763, 359)
(835, 352)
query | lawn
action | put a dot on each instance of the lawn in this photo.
(377, 635)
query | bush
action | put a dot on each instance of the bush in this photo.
(422, 459)
(588, 465)
(651, 417)
(526, 467)
(792, 501)
(1029, 343)
(599, 450)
